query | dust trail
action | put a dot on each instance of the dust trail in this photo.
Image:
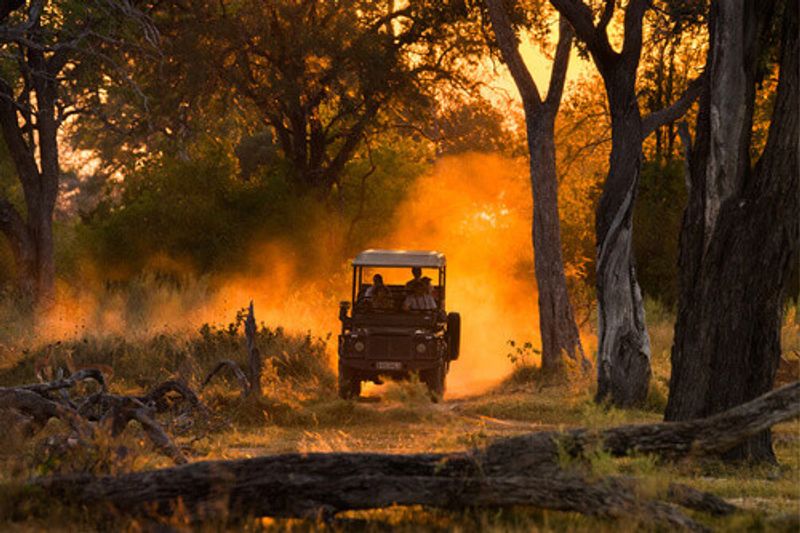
(476, 208)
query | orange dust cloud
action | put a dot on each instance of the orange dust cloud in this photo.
(476, 208)
(282, 297)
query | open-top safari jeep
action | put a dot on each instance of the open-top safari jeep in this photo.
(393, 339)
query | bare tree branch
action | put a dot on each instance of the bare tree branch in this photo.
(509, 46)
(560, 65)
(659, 118)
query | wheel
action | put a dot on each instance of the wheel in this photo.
(434, 379)
(349, 384)
(453, 335)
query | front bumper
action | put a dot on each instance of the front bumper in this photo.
(369, 367)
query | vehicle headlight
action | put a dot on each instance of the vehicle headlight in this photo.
(421, 348)
(359, 346)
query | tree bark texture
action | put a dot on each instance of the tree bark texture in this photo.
(36, 161)
(557, 327)
(623, 368)
(524, 470)
(623, 359)
(741, 230)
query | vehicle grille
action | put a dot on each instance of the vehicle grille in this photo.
(389, 347)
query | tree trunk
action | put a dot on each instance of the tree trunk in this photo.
(623, 370)
(557, 326)
(36, 162)
(45, 259)
(741, 231)
(23, 248)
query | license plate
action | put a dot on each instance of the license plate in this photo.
(389, 365)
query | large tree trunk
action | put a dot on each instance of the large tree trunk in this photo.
(557, 326)
(623, 370)
(40, 213)
(36, 161)
(741, 230)
(45, 273)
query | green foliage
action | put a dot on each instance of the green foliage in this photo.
(476, 125)
(524, 358)
(657, 220)
(201, 214)
(193, 210)
(316, 82)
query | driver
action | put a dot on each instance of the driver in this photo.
(378, 294)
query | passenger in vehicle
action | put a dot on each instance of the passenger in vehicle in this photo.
(378, 295)
(417, 273)
(420, 298)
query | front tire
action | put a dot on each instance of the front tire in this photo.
(434, 379)
(349, 384)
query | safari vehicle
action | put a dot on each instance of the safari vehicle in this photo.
(389, 341)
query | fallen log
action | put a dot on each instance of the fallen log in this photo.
(525, 470)
(266, 494)
(539, 452)
(42, 409)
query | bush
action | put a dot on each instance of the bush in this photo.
(299, 360)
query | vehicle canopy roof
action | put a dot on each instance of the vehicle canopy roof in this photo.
(400, 258)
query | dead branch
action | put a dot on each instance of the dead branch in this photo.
(253, 354)
(111, 410)
(244, 383)
(157, 436)
(69, 382)
(706, 436)
(156, 396)
(42, 409)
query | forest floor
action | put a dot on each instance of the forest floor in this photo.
(300, 413)
(399, 418)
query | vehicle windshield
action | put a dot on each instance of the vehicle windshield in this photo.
(398, 290)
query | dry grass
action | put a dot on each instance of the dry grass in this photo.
(300, 413)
